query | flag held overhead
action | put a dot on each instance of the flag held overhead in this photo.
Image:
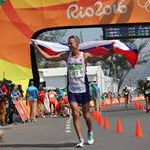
(93, 47)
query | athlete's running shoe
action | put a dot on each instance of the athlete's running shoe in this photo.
(90, 138)
(81, 143)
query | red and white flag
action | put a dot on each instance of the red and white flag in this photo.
(93, 47)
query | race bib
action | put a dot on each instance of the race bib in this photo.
(76, 71)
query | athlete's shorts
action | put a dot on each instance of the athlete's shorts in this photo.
(80, 98)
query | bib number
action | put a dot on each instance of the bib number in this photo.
(76, 73)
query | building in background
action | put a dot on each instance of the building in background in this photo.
(57, 77)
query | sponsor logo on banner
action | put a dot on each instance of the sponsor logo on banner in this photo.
(99, 9)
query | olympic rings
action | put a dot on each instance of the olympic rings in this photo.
(145, 5)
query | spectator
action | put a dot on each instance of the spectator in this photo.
(60, 94)
(40, 102)
(118, 97)
(52, 100)
(31, 97)
(65, 107)
(15, 94)
(96, 96)
(147, 93)
(20, 90)
(46, 102)
(126, 93)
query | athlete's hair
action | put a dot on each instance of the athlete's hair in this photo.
(74, 37)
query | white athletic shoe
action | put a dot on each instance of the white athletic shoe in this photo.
(90, 138)
(81, 143)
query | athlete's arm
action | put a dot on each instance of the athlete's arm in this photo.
(59, 57)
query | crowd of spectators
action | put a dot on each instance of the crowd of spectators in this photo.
(49, 102)
(53, 102)
(8, 93)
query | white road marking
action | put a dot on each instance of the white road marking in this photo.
(68, 125)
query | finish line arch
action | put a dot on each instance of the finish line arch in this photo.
(20, 20)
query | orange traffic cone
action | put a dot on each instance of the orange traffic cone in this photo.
(100, 120)
(119, 128)
(106, 124)
(138, 131)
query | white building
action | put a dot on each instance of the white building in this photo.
(57, 77)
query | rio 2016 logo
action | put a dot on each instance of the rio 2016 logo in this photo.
(99, 9)
(144, 4)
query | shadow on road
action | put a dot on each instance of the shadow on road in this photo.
(55, 145)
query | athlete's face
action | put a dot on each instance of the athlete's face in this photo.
(73, 44)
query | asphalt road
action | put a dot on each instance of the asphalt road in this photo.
(58, 133)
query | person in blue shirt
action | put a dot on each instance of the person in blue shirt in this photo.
(60, 94)
(31, 97)
(15, 94)
(96, 96)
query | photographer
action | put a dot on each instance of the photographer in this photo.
(8, 86)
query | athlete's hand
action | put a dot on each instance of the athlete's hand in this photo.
(34, 43)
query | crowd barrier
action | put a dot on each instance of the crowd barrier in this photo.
(108, 101)
(23, 110)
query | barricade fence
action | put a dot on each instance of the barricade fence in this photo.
(24, 109)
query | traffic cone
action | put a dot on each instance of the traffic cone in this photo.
(106, 124)
(138, 131)
(119, 128)
(100, 120)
